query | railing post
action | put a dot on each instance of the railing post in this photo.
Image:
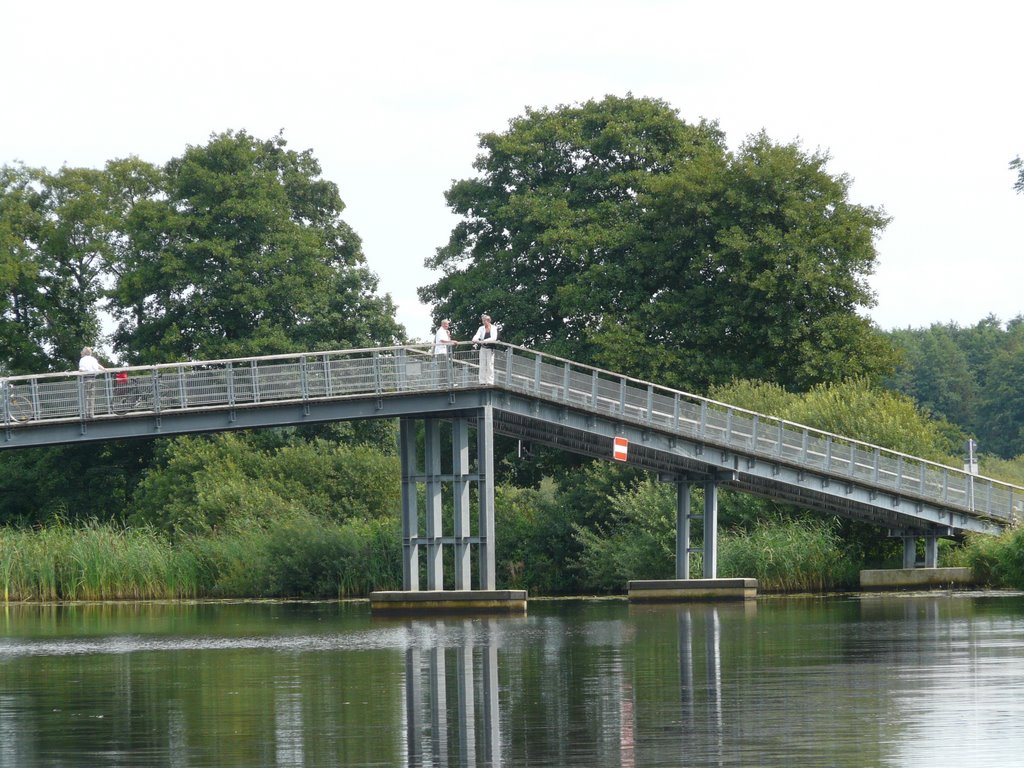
(536, 374)
(231, 383)
(254, 370)
(378, 376)
(182, 393)
(593, 389)
(565, 383)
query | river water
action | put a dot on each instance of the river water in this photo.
(865, 680)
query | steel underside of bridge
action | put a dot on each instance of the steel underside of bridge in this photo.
(537, 420)
(677, 459)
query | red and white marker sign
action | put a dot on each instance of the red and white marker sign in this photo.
(620, 448)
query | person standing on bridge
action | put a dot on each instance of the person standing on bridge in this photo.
(90, 366)
(442, 340)
(485, 336)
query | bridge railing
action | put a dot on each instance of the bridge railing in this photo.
(249, 382)
(736, 429)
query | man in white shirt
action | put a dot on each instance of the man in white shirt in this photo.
(90, 366)
(443, 339)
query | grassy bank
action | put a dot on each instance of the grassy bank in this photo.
(291, 557)
(300, 556)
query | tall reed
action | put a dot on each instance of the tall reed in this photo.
(788, 556)
(92, 562)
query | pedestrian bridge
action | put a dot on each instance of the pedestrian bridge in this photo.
(534, 397)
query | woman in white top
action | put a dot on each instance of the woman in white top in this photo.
(485, 335)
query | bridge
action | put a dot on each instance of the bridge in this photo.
(509, 390)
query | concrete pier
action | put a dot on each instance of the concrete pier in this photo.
(450, 601)
(685, 590)
(916, 578)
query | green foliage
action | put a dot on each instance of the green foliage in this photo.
(638, 541)
(292, 556)
(856, 409)
(973, 377)
(299, 555)
(76, 482)
(759, 396)
(997, 560)
(787, 555)
(240, 250)
(93, 562)
(784, 554)
(202, 483)
(614, 233)
(55, 234)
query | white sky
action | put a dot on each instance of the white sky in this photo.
(918, 102)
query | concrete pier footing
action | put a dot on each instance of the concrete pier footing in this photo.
(684, 590)
(450, 601)
(916, 578)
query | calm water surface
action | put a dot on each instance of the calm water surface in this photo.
(911, 680)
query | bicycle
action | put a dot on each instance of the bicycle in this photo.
(130, 396)
(19, 407)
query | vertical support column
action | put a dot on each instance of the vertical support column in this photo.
(467, 703)
(460, 499)
(413, 726)
(432, 467)
(438, 705)
(710, 530)
(410, 515)
(909, 551)
(931, 551)
(485, 491)
(682, 529)
(492, 723)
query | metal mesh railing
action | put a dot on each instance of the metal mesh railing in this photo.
(249, 382)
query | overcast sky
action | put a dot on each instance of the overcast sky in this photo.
(918, 102)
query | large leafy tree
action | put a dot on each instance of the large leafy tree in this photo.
(55, 235)
(238, 248)
(618, 234)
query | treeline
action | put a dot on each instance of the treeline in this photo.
(971, 376)
(611, 232)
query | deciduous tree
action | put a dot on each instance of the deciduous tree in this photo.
(616, 233)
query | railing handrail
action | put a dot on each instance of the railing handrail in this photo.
(426, 349)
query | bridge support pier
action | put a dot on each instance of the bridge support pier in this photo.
(931, 551)
(684, 588)
(426, 547)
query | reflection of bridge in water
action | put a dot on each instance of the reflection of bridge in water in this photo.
(454, 716)
(687, 440)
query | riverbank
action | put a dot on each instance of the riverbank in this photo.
(299, 557)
